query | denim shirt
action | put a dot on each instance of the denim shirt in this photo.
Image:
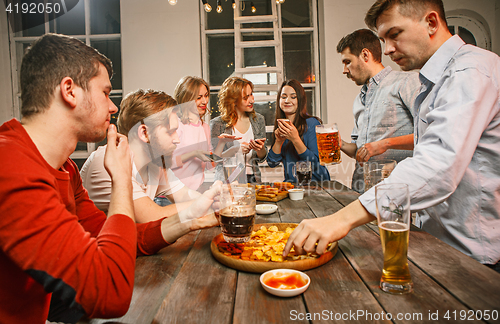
(289, 155)
(383, 109)
(454, 173)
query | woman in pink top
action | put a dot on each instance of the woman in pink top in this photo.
(190, 160)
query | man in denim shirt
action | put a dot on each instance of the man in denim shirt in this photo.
(383, 111)
(454, 173)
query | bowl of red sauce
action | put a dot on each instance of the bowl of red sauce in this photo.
(285, 282)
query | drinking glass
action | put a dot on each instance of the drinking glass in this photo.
(303, 172)
(237, 212)
(393, 215)
(376, 171)
(328, 140)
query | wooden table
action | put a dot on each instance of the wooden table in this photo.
(185, 284)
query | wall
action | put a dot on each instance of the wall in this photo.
(160, 43)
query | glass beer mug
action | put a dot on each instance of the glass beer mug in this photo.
(328, 140)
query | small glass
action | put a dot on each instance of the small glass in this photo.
(393, 215)
(303, 172)
(376, 171)
(237, 212)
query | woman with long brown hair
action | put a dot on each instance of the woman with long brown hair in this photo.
(239, 124)
(295, 133)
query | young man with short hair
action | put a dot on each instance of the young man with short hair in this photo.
(452, 174)
(383, 111)
(55, 245)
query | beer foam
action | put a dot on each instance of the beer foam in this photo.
(325, 130)
(394, 226)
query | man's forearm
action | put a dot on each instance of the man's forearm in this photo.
(121, 198)
(172, 228)
(404, 142)
(349, 149)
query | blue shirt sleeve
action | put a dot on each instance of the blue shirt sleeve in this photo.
(309, 138)
(273, 159)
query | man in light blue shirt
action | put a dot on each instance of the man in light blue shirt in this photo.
(383, 110)
(453, 173)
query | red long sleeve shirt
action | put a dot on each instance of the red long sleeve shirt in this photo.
(54, 240)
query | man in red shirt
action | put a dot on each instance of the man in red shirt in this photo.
(54, 242)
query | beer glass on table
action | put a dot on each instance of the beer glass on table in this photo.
(303, 172)
(393, 215)
(237, 212)
(328, 140)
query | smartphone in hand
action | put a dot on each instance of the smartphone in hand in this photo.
(214, 157)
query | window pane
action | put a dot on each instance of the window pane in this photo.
(257, 25)
(214, 109)
(310, 102)
(112, 50)
(451, 29)
(297, 57)
(105, 17)
(266, 109)
(220, 58)
(249, 37)
(261, 78)
(29, 20)
(467, 36)
(72, 22)
(20, 50)
(223, 20)
(296, 13)
(262, 7)
(81, 146)
(259, 57)
(116, 100)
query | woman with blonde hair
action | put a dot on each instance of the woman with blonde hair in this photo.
(190, 158)
(239, 124)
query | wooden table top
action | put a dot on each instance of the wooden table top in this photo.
(185, 284)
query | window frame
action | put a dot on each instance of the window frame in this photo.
(313, 30)
(474, 26)
(87, 38)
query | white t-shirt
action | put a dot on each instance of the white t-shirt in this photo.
(97, 181)
(245, 138)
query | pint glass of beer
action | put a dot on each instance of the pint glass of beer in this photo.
(328, 140)
(393, 216)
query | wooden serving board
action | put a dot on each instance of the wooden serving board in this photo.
(263, 266)
(280, 196)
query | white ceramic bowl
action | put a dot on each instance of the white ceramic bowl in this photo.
(265, 208)
(296, 194)
(280, 291)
